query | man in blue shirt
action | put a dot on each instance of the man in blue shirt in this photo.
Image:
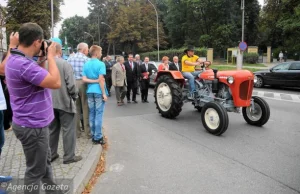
(77, 61)
(93, 73)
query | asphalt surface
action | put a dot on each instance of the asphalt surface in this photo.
(151, 154)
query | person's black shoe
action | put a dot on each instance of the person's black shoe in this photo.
(75, 159)
(100, 141)
(54, 157)
(146, 101)
(135, 101)
(143, 101)
(128, 101)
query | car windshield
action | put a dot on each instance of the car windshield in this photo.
(295, 66)
(283, 66)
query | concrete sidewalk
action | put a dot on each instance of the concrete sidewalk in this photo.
(13, 161)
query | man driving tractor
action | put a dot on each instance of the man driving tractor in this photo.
(189, 61)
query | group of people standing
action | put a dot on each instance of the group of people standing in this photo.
(49, 94)
(128, 78)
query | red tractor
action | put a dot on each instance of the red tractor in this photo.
(217, 92)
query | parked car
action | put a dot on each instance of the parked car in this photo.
(153, 76)
(284, 74)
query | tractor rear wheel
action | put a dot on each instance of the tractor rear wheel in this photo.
(168, 96)
(261, 113)
(214, 118)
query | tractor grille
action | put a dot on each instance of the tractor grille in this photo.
(246, 90)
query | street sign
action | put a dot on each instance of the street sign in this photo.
(243, 46)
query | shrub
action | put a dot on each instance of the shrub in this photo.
(251, 58)
(201, 52)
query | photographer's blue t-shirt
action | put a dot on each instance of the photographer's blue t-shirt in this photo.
(92, 69)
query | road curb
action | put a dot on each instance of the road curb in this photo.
(86, 172)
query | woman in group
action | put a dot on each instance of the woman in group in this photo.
(165, 65)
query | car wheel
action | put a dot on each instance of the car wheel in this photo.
(259, 83)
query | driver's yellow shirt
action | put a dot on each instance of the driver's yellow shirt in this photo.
(188, 68)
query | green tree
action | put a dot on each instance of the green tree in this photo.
(210, 23)
(20, 12)
(73, 28)
(3, 14)
(280, 24)
(134, 26)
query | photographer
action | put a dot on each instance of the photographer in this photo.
(28, 82)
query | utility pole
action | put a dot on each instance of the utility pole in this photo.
(99, 12)
(99, 30)
(52, 20)
(240, 55)
(156, 30)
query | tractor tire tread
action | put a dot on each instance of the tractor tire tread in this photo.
(177, 103)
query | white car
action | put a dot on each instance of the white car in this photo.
(154, 73)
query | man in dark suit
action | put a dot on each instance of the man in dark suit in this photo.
(175, 65)
(138, 60)
(132, 78)
(108, 63)
(145, 73)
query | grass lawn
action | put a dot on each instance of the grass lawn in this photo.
(226, 67)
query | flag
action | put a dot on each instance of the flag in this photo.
(66, 45)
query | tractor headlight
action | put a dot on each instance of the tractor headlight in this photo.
(230, 80)
(255, 79)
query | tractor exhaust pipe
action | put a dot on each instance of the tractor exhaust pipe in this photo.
(215, 83)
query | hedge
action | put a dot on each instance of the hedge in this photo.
(201, 52)
(251, 58)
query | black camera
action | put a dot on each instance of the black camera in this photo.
(48, 42)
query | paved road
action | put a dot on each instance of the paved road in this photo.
(150, 154)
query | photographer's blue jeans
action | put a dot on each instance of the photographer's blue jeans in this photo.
(191, 77)
(96, 109)
(1, 131)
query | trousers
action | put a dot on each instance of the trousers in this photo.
(66, 122)
(120, 92)
(191, 77)
(82, 108)
(96, 110)
(35, 142)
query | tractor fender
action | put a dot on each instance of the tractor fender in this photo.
(177, 75)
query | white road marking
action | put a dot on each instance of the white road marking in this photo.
(277, 96)
(116, 168)
(279, 99)
(295, 98)
(260, 93)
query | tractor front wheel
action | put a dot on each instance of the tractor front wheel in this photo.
(258, 114)
(214, 118)
(168, 96)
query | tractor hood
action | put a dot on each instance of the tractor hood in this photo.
(236, 74)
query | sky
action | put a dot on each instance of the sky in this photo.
(72, 8)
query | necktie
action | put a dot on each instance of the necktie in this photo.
(122, 67)
(131, 65)
(146, 66)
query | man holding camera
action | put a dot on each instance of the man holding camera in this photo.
(29, 84)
